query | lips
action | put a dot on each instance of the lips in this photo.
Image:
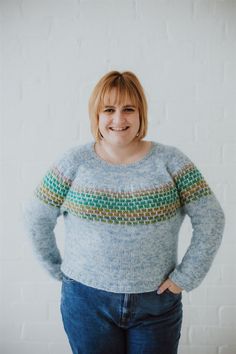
(118, 129)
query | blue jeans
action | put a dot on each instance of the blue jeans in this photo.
(101, 322)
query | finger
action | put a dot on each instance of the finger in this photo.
(174, 284)
(162, 288)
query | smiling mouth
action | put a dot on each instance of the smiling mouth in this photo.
(119, 130)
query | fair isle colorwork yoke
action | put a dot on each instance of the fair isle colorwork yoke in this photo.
(122, 221)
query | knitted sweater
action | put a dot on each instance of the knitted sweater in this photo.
(122, 221)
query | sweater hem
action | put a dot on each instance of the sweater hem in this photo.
(147, 286)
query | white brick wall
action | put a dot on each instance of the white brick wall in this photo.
(52, 54)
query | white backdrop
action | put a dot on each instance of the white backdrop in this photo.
(53, 52)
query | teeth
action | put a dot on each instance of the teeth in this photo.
(119, 128)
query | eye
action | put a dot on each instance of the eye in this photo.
(108, 110)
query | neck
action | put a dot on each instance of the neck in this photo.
(119, 153)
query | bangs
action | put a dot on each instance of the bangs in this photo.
(124, 94)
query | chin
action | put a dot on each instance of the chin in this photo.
(121, 139)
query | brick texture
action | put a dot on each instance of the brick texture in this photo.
(52, 54)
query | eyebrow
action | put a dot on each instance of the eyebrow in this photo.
(128, 105)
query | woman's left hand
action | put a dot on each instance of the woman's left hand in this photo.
(169, 284)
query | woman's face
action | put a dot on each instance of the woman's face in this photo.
(114, 118)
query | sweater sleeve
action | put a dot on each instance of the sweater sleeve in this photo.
(41, 211)
(207, 218)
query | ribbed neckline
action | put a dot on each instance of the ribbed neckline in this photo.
(122, 165)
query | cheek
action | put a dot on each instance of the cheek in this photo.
(103, 120)
(134, 120)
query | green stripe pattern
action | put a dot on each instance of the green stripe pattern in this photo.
(140, 207)
(53, 188)
(191, 184)
(146, 206)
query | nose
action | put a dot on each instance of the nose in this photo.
(118, 117)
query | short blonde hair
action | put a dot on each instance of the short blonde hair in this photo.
(127, 85)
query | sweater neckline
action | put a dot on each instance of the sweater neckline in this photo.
(122, 165)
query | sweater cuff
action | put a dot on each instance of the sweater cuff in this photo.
(54, 270)
(181, 280)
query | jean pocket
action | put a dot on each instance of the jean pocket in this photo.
(171, 293)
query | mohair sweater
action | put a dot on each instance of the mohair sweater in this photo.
(122, 221)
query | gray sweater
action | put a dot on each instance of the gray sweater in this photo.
(122, 221)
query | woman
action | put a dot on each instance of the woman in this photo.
(123, 200)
